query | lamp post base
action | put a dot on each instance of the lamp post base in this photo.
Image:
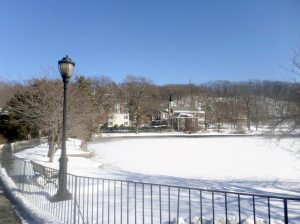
(61, 195)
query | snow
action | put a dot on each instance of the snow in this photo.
(78, 164)
(231, 220)
(166, 134)
(239, 164)
(254, 164)
(235, 163)
(38, 215)
(209, 132)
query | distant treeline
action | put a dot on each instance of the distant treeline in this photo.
(34, 107)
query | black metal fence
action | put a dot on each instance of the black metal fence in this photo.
(105, 201)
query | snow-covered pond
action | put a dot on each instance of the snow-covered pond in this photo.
(228, 163)
(237, 164)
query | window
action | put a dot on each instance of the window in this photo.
(126, 117)
(110, 123)
(125, 123)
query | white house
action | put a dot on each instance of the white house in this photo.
(119, 117)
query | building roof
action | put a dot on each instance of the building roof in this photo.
(185, 109)
(184, 115)
(176, 109)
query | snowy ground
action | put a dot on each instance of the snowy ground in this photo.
(77, 163)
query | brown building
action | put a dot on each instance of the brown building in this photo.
(188, 119)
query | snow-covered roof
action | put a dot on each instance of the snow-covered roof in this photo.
(185, 109)
(185, 115)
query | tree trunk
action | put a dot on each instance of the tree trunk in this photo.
(248, 123)
(50, 143)
(205, 117)
(52, 151)
(248, 117)
(52, 146)
(205, 122)
(137, 127)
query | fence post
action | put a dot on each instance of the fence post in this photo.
(75, 199)
(8, 158)
(4, 156)
(24, 177)
(286, 218)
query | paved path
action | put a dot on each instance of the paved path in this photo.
(7, 212)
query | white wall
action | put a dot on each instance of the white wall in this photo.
(118, 119)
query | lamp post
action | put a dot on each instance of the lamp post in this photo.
(66, 67)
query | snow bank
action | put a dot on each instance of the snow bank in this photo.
(209, 132)
(36, 214)
(230, 220)
(164, 134)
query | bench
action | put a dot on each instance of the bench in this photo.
(48, 175)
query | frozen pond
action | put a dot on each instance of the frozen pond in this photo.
(230, 163)
(236, 164)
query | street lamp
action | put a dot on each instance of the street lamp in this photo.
(66, 67)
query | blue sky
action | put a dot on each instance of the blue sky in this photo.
(167, 41)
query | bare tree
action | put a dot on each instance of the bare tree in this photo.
(287, 119)
(137, 92)
(296, 63)
(40, 106)
(7, 91)
(103, 92)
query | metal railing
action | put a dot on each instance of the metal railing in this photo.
(105, 201)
